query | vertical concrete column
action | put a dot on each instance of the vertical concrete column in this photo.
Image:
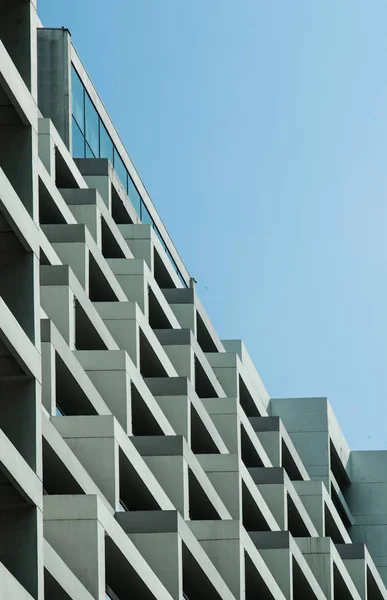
(58, 304)
(99, 456)
(76, 255)
(186, 315)
(72, 528)
(183, 359)
(222, 544)
(131, 277)
(279, 561)
(46, 146)
(114, 387)
(54, 79)
(271, 441)
(139, 240)
(163, 552)
(275, 496)
(103, 185)
(90, 216)
(172, 474)
(317, 553)
(357, 569)
(124, 329)
(177, 409)
(49, 377)
(309, 434)
(311, 495)
(222, 471)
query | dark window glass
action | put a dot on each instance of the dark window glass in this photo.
(89, 152)
(78, 100)
(105, 143)
(78, 141)
(120, 169)
(91, 125)
(145, 215)
(134, 196)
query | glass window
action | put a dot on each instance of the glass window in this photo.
(91, 125)
(171, 259)
(134, 196)
(120, 169)
(145, 215)
(105, 143)
(78, 100)
(89, 152)
(78, 141)
(159, 236)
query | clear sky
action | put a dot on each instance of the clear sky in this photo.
(259, 127)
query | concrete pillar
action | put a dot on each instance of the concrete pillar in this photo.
(54, 79)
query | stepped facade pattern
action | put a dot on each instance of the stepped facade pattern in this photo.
(140, 455)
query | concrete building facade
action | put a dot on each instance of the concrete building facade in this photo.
(140, 455)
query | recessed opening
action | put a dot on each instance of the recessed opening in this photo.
(150, 364)
(289, 464)
(203, 385)
(17, 278)
(157, 316)
(161, 273)
(9, 367)
(143, 420)
(49, 213)
(338, 469)
(100, 289)
(121, 576)
(203, 336)
(339, 586)
(119, 211)
(70, 398)
(331, 529)
(86, 335)
(110, 246)
(201, 440)
(57, 479)
(373, 590)
(200, 507)
(250, 456)
(19, 545)
(301, 585)
(16, 149)
(63, 175)
(134, 494)
(246, 400)
(253, 519)
(43, 259)
(296, 524)
(196, 585)
(10, 497)
(18, 415)
(52, 589)
(339, 507)
(256, 586)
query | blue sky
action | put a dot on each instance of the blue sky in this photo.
(260, 130)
